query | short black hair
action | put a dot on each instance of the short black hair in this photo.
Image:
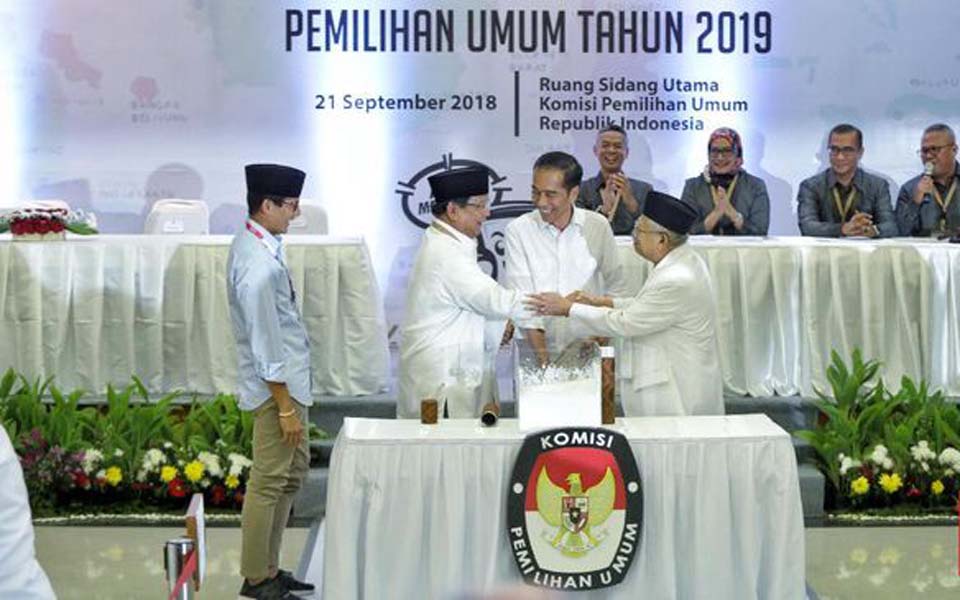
(941, 127)
(561, 161)
(844, 128)
(255, 201)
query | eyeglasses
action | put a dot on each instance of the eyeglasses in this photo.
(835, 150)
(933, 150)
(477, 205)
(720, 151)
(292, 203)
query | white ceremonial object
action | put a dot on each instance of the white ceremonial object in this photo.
(563, 393)
(178, 216)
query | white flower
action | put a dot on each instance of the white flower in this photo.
(238, 463)
(922, 452)
(211, 462)
(847, 463)
(152, 459)
(118, 452)
(101, 474)
(888, 464)
(91, 460)
(168, 445)
(879, 454)
(950, 457)
(925, 466)
(141, 475)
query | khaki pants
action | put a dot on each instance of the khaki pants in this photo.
(276, 475)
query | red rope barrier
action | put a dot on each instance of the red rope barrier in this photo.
(188, 570)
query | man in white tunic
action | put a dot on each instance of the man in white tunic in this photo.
(559, 248)
(442, 352)
(671, 322)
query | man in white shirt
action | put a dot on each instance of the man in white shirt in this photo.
(560, 248)
(671, 322)
(21, 576)
(442, 353)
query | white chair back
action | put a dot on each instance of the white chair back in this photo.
(178, 216)
(312, 221)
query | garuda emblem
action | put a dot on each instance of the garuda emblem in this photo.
(575, 512)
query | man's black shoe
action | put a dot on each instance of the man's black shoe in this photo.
(298, 587)
(268, 589)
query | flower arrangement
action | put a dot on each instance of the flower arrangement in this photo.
(134, 454)
(880, 450)
(45, 224)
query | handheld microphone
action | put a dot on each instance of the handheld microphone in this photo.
(928, 168)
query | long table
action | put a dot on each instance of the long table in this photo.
(95, 310)
(784, 303)
(419, 511)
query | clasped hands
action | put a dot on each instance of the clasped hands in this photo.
(860, 224)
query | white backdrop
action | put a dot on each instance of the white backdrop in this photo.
(112, 105)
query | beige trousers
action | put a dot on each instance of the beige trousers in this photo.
(276, 475)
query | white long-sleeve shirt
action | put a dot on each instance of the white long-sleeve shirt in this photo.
(442, 341)
(542, 258)
(671, 324)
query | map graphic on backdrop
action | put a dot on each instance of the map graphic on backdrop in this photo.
(109, 115)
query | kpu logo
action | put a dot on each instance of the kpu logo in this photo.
(415, 201)
(575, 508)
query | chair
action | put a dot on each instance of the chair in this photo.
(178, 216)
(312, 221)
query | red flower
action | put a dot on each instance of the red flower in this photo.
(43, 226)
(177, 488)
(914, 493)
(238, 498)
(56, 226)
(81, 480)
(15, 228)
(218, 494)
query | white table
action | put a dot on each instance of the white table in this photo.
(96, 310)
(416, 511)
(784, 303)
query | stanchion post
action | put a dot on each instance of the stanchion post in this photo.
(176, 552)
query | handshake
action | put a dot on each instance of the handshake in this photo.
(553, 304)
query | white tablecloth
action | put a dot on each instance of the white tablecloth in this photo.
(784, 303)
(97, 310)
(417, 511)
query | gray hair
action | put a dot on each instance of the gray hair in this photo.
(941, 127)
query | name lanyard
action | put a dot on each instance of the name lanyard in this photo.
(256, 233)
(843, 209)
(945, 204)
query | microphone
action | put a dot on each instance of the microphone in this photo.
(928, 168)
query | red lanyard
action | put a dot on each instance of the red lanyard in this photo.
(259, 236)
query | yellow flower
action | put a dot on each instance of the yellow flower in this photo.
(860, 486)
(890, 483)
(113, 476)
(194, 471)
(936, 487)
(232, 481)
(167, 473)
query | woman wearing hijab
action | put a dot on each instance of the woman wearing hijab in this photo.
(729, 200)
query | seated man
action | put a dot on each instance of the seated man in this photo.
(559, 248)
(611, 193)
(671, 322)
(845, 200)
(927, 203)
(448, 301)
(728, 200)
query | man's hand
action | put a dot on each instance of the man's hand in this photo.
(611, 194)
(548, 303)
(507, 334)
(291, 428)
(582, 297)
(626, 191)
(860, 224)
(924, 187)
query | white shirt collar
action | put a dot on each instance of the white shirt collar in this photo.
(577, 219)
(457, 235)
